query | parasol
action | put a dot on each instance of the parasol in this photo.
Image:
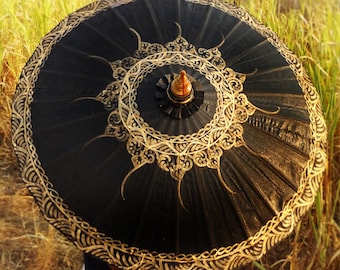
(168, 134)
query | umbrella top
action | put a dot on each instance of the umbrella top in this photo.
(177, 154)
(191, 138)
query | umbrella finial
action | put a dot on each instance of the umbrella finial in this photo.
(181, 88)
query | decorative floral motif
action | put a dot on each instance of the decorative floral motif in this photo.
(176, 154)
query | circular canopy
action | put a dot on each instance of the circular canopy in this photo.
(141, 177)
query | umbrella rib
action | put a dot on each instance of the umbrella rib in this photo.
(113, 43)
(235, 60)
(233, 30)
(238, 62)
(205, 28)
(126, 178)
(148, 201)
(280, 80)
(154, 20)
(246, 157)
(233, 197)
(57, 159)
(72, 122)
(280, 141)
(273, 123)
(270, 71)
(283, 149)
(241, 174)
(203, 195)
(70, 74)
(292, 106)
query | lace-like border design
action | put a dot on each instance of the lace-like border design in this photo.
(88, 239)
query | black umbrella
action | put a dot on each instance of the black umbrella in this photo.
(168, 134)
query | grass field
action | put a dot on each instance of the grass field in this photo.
(310, 28)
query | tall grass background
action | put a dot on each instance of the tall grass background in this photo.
(310, 28)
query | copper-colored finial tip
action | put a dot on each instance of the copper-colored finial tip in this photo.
(181, 86)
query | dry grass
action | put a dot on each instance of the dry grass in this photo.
(27, 241)
(309, 28)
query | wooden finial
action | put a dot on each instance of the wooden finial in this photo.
(181, 86)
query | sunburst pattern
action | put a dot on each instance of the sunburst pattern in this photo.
(176, 154)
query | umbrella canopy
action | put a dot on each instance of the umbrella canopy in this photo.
(168, 134)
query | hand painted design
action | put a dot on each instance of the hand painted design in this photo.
(88, 238)
(176, 154)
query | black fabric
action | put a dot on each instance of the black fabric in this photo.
(87, 170)
(92, 263)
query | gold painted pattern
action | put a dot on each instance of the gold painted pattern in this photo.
(88, 239)
(176, 154)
